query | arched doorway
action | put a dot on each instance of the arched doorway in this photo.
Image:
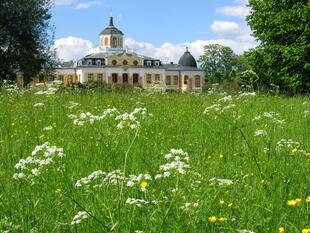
(125, 78)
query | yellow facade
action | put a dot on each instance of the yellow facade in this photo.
(95, 77)
(124, 57)
(153, 80)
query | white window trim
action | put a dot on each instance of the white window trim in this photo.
(89, 62)
(149, 63)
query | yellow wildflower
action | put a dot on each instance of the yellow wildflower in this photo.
(212, 219)
(59, 191)
(221, 202)
(209, 157)
(144, 184)
(308, 199)
(298, 200)
(42, 136)
(230, 204)
(291, 203)
(294, 150)
(306, 230)
(281, 230)
(222, 219)
(221, 156)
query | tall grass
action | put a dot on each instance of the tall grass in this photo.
(263, 176)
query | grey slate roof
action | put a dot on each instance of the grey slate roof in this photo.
(187, 59)
(176, 67)
(111, 29)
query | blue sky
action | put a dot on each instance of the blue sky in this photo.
(158, 28)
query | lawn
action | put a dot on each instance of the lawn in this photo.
(98, 161)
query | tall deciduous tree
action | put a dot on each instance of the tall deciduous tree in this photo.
(220, 63)
(283, 29)
(25, 38)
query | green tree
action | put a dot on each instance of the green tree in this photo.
(25, 38)
(283, 57)
(220, 63)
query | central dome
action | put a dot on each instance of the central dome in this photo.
(111, 29)
(188, 60)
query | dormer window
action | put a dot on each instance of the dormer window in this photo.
(114, 62)
(135, 63)
(80, 63)
(89, 62)
(156, 63)
(98, 62)
(149, 63)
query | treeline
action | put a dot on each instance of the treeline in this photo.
(282, 58)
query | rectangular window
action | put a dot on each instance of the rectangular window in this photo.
(168, 80)
(99, 77)
(52, 78)
(90, 77)
(149, 78)
(175, 80)
(157, 78)
(61, 78)
(70, 78)
(197, 81)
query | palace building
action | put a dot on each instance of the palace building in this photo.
(115, 64)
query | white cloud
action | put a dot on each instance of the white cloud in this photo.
(172, 52)
(63, 2)
(87, 4)
(239, 31)
(72, 48)
(243, 2)
(225, 28)
(235, 11)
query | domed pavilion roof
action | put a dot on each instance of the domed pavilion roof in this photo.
(111, 29)
(187, 59)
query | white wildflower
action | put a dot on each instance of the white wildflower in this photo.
(79, 217)
(47, 128)
(38, 105)
(260, 132)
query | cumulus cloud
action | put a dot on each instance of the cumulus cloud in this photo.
(87, 4)
(235, 11)
(63, 2)
(225, 28)
(239, 31)
(169, 52)
(72, 48)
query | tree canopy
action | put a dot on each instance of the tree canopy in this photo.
(25, 38)
(220, 63)
(283, 57)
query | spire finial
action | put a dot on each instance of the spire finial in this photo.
(111, 21)
(186, 49)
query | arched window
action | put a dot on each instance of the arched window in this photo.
(135, 78)
(135, 63)
(197, 81)
(185, 80)
(114, 42)
(125, 62)
(106, 41)
(114, 78)
(114, 62)
(125, 78)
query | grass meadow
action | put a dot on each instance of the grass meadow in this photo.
(94, 161)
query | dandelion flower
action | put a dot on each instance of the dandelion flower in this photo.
(222, 219)
(59, 191)
(308, 199)
(281, 230)
(212, 219)
(143, 184)
(294, 150)
(221, 202)
(306, 230)
(230, 204)
(291, 203)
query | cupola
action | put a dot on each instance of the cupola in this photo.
(111, 37)
(187, 59)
